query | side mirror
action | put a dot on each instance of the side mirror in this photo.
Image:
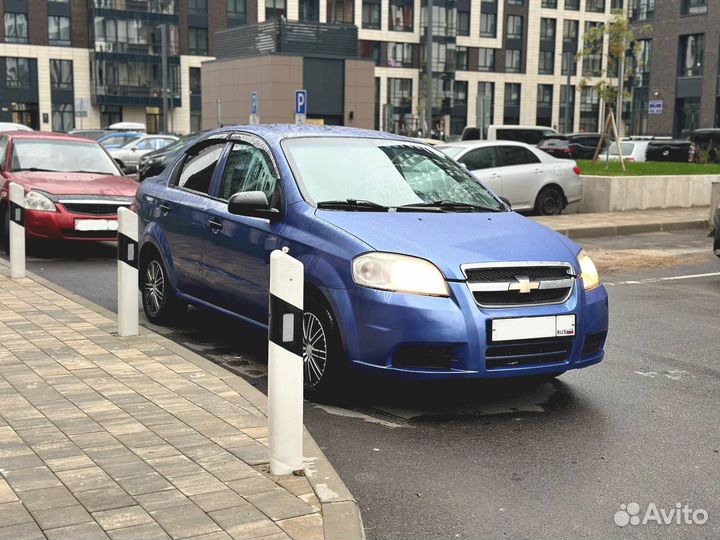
(252, 204)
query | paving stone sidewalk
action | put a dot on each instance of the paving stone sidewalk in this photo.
(630, 222)
(124, 438)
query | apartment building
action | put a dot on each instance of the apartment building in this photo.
(676, 68)
(88, 63)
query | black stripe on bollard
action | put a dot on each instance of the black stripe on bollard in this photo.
(127, 250)
(286, 325)
(17, 213)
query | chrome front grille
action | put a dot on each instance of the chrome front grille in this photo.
(519, 284)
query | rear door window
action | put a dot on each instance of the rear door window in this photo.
(480, 158)
(197, 171)
(516, 155)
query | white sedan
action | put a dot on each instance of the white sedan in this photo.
(128, 156)
(527, 178)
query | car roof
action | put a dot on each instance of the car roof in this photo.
(480, 144)
(45, 135)
(123, 134)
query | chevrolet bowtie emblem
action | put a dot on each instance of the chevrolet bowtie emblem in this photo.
(524, 285)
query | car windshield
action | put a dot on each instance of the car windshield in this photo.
(382, 172)
(452, 151)
(627, 148)
(60, 156)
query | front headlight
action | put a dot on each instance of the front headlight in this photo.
(590, 276)
(39, 202)
(398, 273)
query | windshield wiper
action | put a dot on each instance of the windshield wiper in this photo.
(449, 206)
(352, 204)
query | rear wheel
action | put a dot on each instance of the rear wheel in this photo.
(550, 201)
(323, 358)
(159, 301)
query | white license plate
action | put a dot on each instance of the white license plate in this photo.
(96, 225)
(533, 327)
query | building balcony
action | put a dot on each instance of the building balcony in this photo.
(141, 96)
(162, 7)
(288, 37)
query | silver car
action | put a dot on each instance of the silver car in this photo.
(128, 156)
(528, 178)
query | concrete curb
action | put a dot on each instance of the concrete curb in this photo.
(635, 228)
(341, 512)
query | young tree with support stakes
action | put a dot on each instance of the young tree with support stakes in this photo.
(620, 40)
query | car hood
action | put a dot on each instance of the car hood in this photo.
(56, 183)
(452, 239)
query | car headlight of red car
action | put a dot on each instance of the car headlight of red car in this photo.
(39, 202)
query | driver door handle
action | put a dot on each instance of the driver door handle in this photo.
(165, 209)
(215, 225)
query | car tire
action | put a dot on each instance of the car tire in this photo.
(324, 362)
(160, 304)
(550, 201)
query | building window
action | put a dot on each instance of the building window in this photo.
(401, 15)
(488, 25)
(61, 74)
(486, 105)
(461, 59)
(197, 40)
(26, 114)
(641, 10)
(544, 105)
(694, 7)
(616, 4)
(572, 5)
(687, 116)
(463, 16)
(371, 15)
(546, 63)
(595, 6)
(567, 103)
(195, 82)
(309, 10)
(399, 54)
(17, 72)
(237, 12)
(642, 62)
(340, 11)
(511, 115)
(195, 121)
(63, 117)
(58, 30)
(547, 29)
(486, 59)
(514, 27)
(589, 109)
(460, 92)
(592, 61)
(197, 7)
(692, 51)
(549, 4)
(513, 60)
(516, 2)
(400, 93)
(568, 59)
(16, 28)
(439, 56)
(109, 115)
(274, 9)
(371, 49)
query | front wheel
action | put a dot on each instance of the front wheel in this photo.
(159, 301)
(550, 201)
(323, 358)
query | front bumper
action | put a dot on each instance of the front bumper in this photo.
(60, 225)
(383, 331)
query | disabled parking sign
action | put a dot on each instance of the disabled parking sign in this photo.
(300, 106)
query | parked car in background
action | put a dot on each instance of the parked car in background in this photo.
(526, 134)
(119, 138)
(413, 269)
(12, 126)
(679, 151)
(128, 156)
(154, 163)
(526, 177)
(571, 145)
(707, 140)
(93, 134)
(633, 151)
(72, 187)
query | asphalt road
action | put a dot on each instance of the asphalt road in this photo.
(520, 459)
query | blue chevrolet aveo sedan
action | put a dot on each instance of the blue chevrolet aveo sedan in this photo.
(412, 267)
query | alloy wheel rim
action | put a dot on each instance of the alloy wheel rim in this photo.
(154, 290)
(550, 205)
(314, 350)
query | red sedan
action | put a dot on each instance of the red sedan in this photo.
(73, 188)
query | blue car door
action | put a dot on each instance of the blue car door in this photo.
(182, 215)
(237, 250)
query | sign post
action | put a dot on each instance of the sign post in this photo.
(254, 118)
(300, 106)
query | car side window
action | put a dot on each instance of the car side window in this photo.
(146, 144)
(197, 171)
(160, 143)
(246, 169)
(3, 150)
(480, 158)
(516, 155)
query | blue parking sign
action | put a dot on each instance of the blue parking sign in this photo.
(301, 102)
(655, 106)
(253, 103)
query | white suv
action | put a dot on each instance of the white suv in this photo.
(528, 178)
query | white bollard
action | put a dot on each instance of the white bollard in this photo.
(17, 231)
(285, 364)
(127, 273)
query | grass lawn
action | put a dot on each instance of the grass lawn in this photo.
(650, 168)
